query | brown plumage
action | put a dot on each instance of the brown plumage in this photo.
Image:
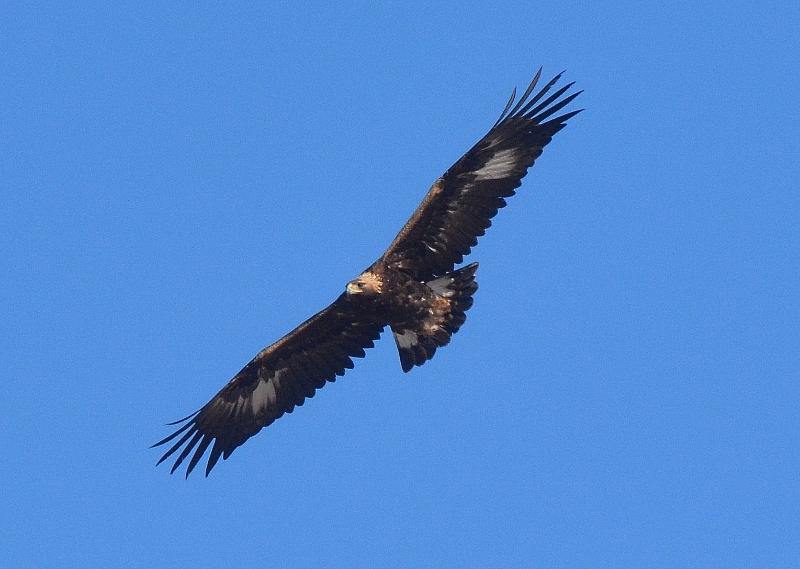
(413, 288)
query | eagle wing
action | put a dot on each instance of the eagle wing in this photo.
(275, 381)
(459, 206)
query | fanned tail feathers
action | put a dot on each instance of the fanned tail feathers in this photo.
(454, 291)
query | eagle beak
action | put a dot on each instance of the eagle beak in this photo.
(352, 288)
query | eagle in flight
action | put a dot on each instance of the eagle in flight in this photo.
(414, 288)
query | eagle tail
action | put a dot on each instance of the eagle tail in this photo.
(455, 289)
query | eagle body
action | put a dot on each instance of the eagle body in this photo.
(421, 315)
(414, 288)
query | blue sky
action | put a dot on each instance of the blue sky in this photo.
(183, 184)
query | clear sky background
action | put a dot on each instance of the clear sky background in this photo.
(182, 184)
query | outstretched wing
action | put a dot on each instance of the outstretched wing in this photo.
(459, 206)
(275, 381)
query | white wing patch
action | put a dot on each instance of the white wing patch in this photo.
(439, 286)
(406, 339)
(499, 166)
(263, 395)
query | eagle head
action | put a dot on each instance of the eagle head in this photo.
(367, 283)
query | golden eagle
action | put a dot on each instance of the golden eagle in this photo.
(413, 288)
